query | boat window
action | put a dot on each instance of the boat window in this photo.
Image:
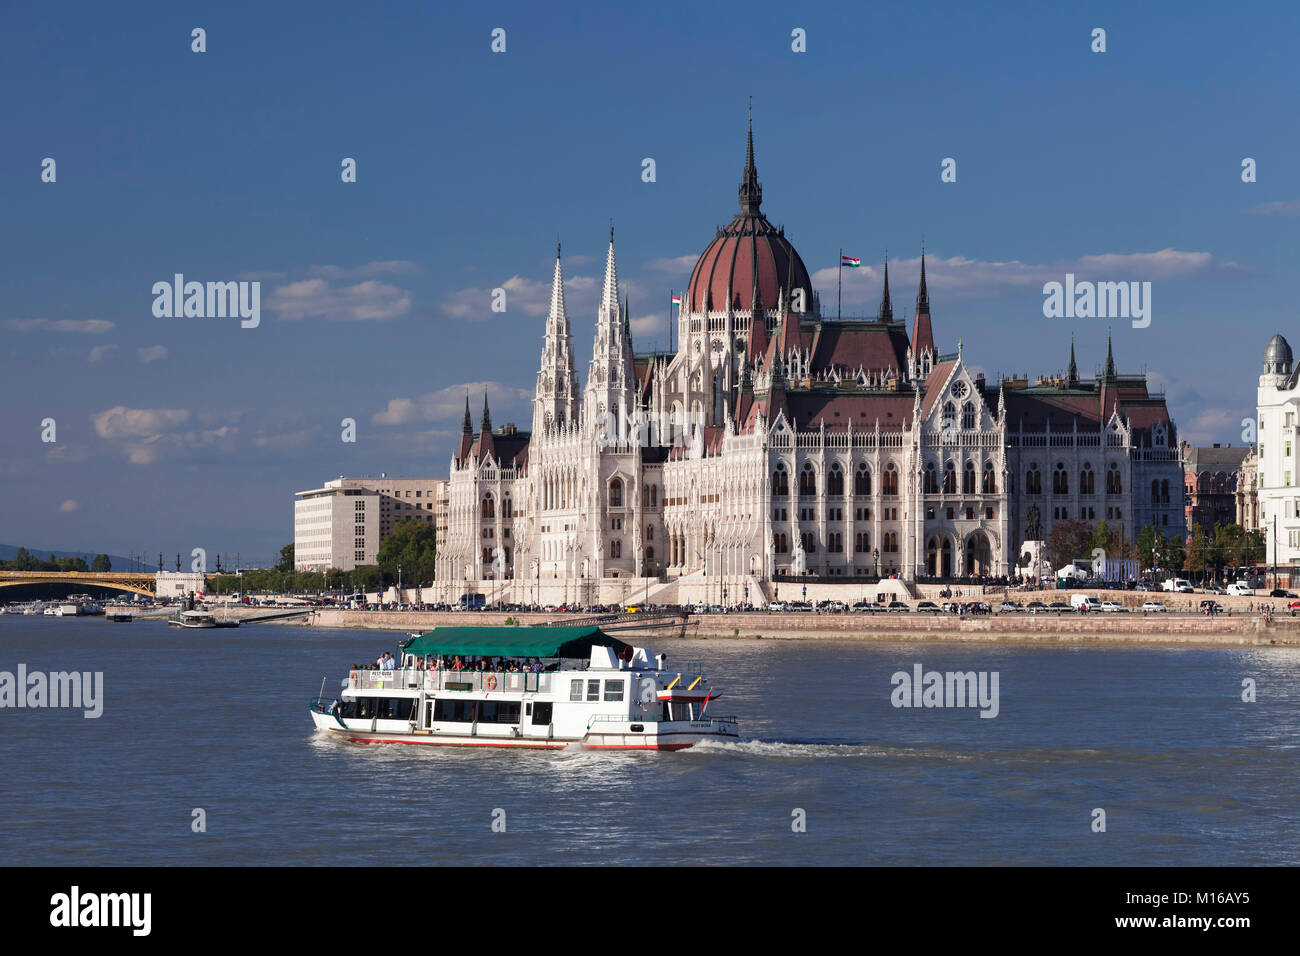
(395, 708)
(499, 712)
(455, 711)
(593, 690)
(542, 713)
(575, 690)
(613, 690)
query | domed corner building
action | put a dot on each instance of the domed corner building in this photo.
(1278, 504)
(778, 447)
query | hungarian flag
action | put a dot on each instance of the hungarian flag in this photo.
(677, 300)
(849, 262)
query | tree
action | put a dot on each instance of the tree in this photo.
(412, 546)
(1068, 540)
(1172, 554)
(101, 563)
(1198, 551)
(1147, 541)
(1103, 538)
(286, 558)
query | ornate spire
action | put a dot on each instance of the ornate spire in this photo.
(922, 294)
(1109, 374)
(922, 332)
(1072, 373)
(609, 297)
(467, 426)
(751, 193)
(886, 312)
(486, 425)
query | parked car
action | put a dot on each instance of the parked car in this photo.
(1214, 589)
(1010, 607)
(776, 606)
(1181, 585)
(1239, 589)
(866, 607)
(897, 607)
(928, 607)
(1085, 602)
(1153, 606)
(1282, 592)
(1113, 607)
(1035, 607)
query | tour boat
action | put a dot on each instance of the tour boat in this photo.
(571, 685)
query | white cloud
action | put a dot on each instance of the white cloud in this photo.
(448, 404)
(649, 325)
(1279, 208)
(675, 264)
(977, 278)
(69, 505)
(99, 351)
(152, 354)
(367, 271)
(366, 301)
(122, 422)
(530, 296)
(77, 326)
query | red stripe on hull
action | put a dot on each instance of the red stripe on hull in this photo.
(456, 743)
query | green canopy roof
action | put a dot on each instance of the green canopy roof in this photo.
(511, 642)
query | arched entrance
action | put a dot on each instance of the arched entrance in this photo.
(938, 557)
(979, 555)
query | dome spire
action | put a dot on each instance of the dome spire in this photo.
(886, 313)
(751, 193)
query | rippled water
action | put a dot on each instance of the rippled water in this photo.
(1158, 738)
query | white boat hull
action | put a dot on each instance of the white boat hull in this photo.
(652, 735)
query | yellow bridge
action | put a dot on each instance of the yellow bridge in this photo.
(137, 582)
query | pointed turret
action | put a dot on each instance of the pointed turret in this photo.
(886, 311)
(467, 426)
(922, 334)
(1072, 373)
(556, 396)
(751, 193)
(610, 377)
(1108, 375)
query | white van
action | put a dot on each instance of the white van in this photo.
(1240, 588)
(1085, 602)
(1181, 585)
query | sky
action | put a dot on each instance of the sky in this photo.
(226, 165)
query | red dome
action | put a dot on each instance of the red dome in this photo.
(750, 256)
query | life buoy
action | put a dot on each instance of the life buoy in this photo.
(354, 680)
(491, 682)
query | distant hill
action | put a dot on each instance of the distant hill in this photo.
(120, 563)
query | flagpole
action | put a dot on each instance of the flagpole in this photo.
(670, 320)
(839, 285)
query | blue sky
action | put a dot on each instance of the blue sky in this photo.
(182, 433)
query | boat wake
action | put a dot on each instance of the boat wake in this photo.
(821, 749)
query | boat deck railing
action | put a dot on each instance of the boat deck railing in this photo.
(434, 679)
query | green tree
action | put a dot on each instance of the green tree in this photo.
(101, 563)
(412, 546)
(1147, 540)
(1172, 554)
(286, 558)
(1104, 539)
(1198, 551)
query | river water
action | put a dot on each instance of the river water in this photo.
(1158, 739)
